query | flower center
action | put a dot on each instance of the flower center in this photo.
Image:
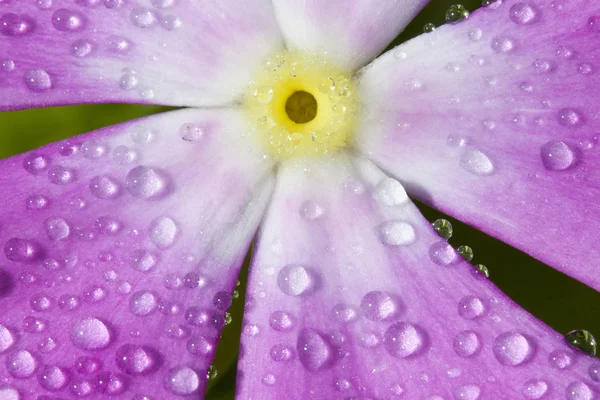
(301, 105)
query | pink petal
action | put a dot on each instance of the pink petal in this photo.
(354, 296)
(495, 120)
(118, 253)
(350, 32)
(165, 51)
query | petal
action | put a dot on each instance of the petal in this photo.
(352, 33)
(171, 52)
(355, 297)
(495, 121)
(118, 253)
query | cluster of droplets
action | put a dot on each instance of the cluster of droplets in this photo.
(335, 101)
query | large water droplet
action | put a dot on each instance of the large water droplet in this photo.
(162, 232)
(9, 393)
(512, 348)
(403, 340)
(90, 334)
(136, 360)
(294, 280)
(143, 303)
(582, 340)
(570, 117)
(57, 228)
(443, 228)
(105, 187)
(21, 364)
(37, 80)
(313, 350)
(53, 378)
(579, 391)
(145, 182)
(35, 163)
(21, 250)
(557, 155)
(476, 162)
(15, 25)
(396, 233)
(521, 13)
(466, 344)
(182, 380)
(380, 306)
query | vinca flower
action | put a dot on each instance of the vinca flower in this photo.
(120, 248)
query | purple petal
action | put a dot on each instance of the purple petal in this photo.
(350, 32)
(502, 127)
(168, 52)
(118, 253)
(341, 308)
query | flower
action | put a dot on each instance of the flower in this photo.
(121, 247)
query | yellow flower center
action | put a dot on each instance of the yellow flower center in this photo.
(301, 105)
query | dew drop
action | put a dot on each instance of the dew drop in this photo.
(282, 321)
(560, 359)
(593, 24)
(380, 306)
(145, 182)
(476, 162)
(36, 202)
(313, 350)
(512, 348)
(593, 371)
(142, 17)
(35, 163)
(37, 80)
(222, 300)
(128, 81)
(521, 13)
(33, 325)
(465, 252)
(142, 303)
(90, 334)
(442, 253)
(124, 155)
(15, 25)
(21, 250)
(502, 44)
(557, 155)
(171, 22)
(191, 132)
(467, 392)
(81, 387)
(7, 339)
(311, 210)
(182, 381)
(82, 48)
(456, 13)
(579, 391)
(200, 346)
(68, 20)
(41, 302)
(466, 344)
(21, 364)
(162, 232)
(57, 228)
(582, 340)
(294, 280)
(60, 175)
(118, 44)
(396, 233)
(136, 360)
(443, 228)
(570, 118)
(53, 378)
(390, 192)
(344, 313)
(197, 316)
(68, 302)
(534, 389)
(9, 393)
(471, 307)
(403, 340)
(280, 353)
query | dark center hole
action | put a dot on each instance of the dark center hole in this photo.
(301, 107)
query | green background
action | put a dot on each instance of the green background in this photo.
(560, 301)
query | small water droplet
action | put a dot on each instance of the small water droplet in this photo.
(471, 307)
(37, 80)
(402, 340)
(396, 233)
(465, 252)
(142, 17)
(145, 182)
(381, 306)
(390, 192)
(136, 360)
(60, 175)
(191, 132)
(593, 371)
(68, 20)
(557, 155)
(7, 339)
(593, 24)
(200, 346)
(53, 378)
(313, 350)
(570, 118)
(182, 381)
(82, 48)
(534, 389)
(521, 13)
(143, 303)
(442, 253)
(467, 392)
(280, 352)
(295, 280)
(282, 321)
(15, 25)
(35, 163)
(482, 270)
(466, 344)
(57, 228)
(142, 260)
(344, 313)
(21, 250)
(310, 210)
(560, 359)
(456, 13)
(512, 348)
(443, 228)
(476, 162)
(502, 44)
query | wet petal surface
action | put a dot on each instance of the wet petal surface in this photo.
(119, 252)
(159, 51)
(495, 121)
(365, 301)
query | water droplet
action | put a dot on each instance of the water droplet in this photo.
(41, 302)
(90, 334)
(313, 350)
(7, 339)
(280, 352)
(442, 253)
(15, 25)
(7, 65)
(471, 307)
(456, 13)
(142, 17)
(311, 210)
(502, 44)
(36, 202)
(33, 325)
(390, 192)
(557, 155)
(60, 175)
(128, 81)
(396, 233)
(222, 300)
(344, 313)
(476, 162)
(594, 371)
(162, 232)
(512, 348)
(118, 44)
(145, 182)
(521, 13)
(534, 389)
(585, 68)
(380, 306)
(35, 163)
(569, 117)
(194, 280)
(21, 250)
(294, 280)
(211, 373)
(124, 155)
(403, 340)
(82, 48)
(282, 321)
(21, 364)
(466, 344)
(37, 80)
(593, 24)
(9, 393)
(142, 260)
(579, 391)
(136, 360)
(68, 20)
(465, 252)
(560, 359)
(197, 317)
(582, 340)
(142, 303)
(68, 302)
(53, 378)
(191, 132)
(171, 22)
(182, 380)
(200, 346)
(481, 270)
(428, 27)
(57, 228)
(467, 392)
